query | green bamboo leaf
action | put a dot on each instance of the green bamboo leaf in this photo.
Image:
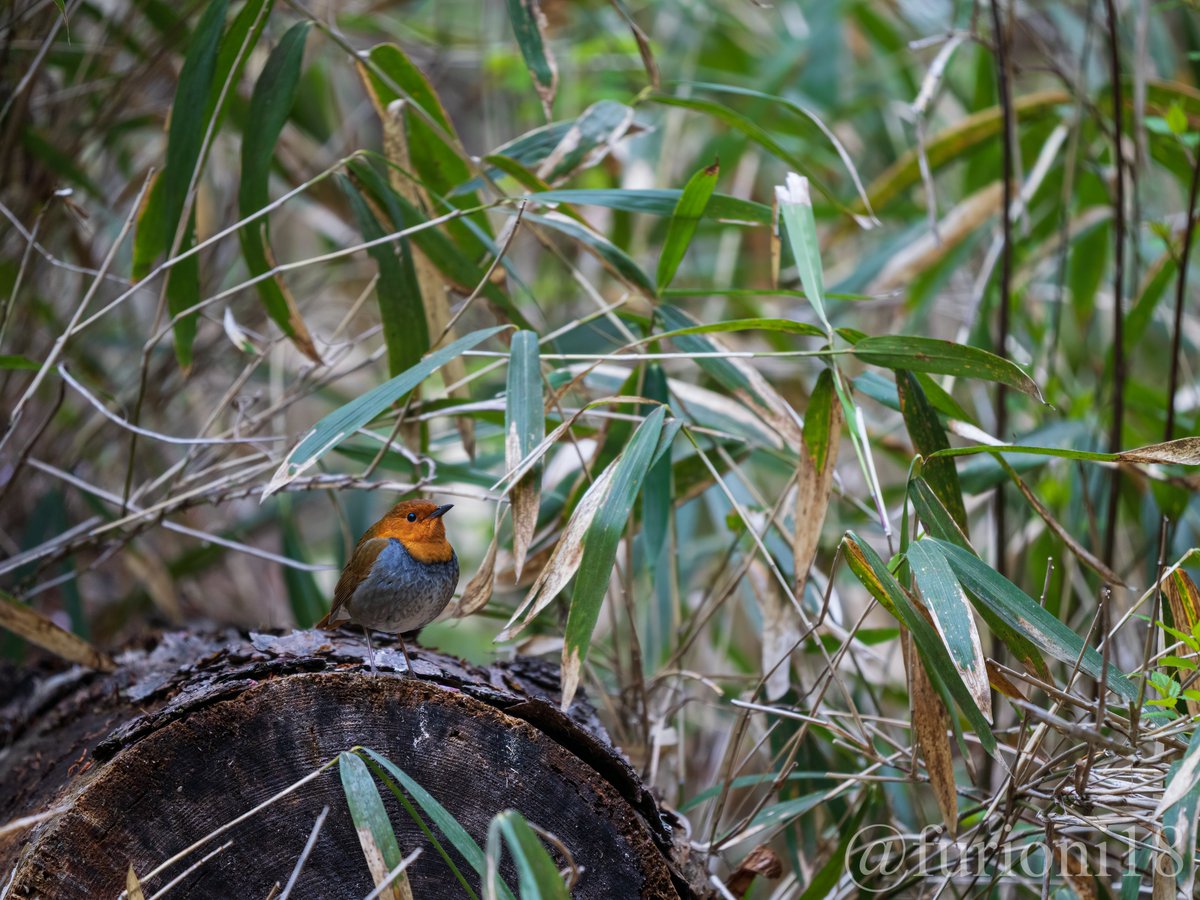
(1024, 614)
(786, 326)
(928, 437)
(951, 612)
(818, 130)
(826, 878)
(922, 354)
(433, 146)
(458, 268)
(684, 220)
(753, 131)
(1178, 814)
(735, 375)
(185, 139)
(934, 516)
(526, 151)
(613, 257)
(347, 419)
(524, 429)
(458, 837)
(586, 141)
(529, 26)
(819, 420)
(600, 548)
(655, 202)
(875, 577)
(796, 213)
(537, 875)
(16, 361)
(183, 293)
(371, 821)
(308, 602)
(270, 105)
(405, 331)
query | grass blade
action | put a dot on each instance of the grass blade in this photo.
(684, 221)
(348, 418)
(600, 548)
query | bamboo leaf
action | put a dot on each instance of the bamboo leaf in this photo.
(1183, 598)
(814, 477)
(1183, 452)
(270, 106)
(600, 547)
(405, 329)
(928, 437)
(583, 144)
(529, 25)
(438, 164)
(876, 578)
(16, 361)
(684, 221)
(656, 202)
(931, 726)
(163, 207)
(537, 875)
(348, 418)
(922, 354)
(1024, 614)
(782, 326)
(458, 837)
(796, 212)
(524, 428)
(26, 622)
(614, 258)
(183, 293)
(735, 375)
(951, 612)
(371, 821)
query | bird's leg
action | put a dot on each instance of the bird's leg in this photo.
(370, 650)
(408, 669)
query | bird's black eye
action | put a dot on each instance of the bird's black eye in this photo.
(412, 517)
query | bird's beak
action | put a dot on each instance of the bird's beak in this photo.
(440, 511)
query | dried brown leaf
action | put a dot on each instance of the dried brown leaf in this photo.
(1183, 452)
(931, 727)
(813, 488)
(780, 629)
(762, 860)
(479, 589)
(30, 624)
(1184, 599)
(133, 886)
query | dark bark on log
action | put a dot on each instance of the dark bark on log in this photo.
(198, 729)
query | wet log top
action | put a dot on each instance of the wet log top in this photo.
(193, 730)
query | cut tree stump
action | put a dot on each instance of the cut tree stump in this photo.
(198, 729)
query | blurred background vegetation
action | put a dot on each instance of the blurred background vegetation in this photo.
(163, 351)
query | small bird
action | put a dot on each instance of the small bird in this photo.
(400, 576)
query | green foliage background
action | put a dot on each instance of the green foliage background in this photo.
(228, 225)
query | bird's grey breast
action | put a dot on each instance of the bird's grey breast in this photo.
(400, 594)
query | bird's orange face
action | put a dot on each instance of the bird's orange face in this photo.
(418, 525)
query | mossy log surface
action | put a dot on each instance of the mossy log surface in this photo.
(192, 731)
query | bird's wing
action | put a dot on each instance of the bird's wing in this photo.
(356, 570)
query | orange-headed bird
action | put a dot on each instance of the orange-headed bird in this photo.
(400, 576)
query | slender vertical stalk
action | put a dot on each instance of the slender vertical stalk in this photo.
(1118, 399)
(1005, 96)
(1180, 288)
